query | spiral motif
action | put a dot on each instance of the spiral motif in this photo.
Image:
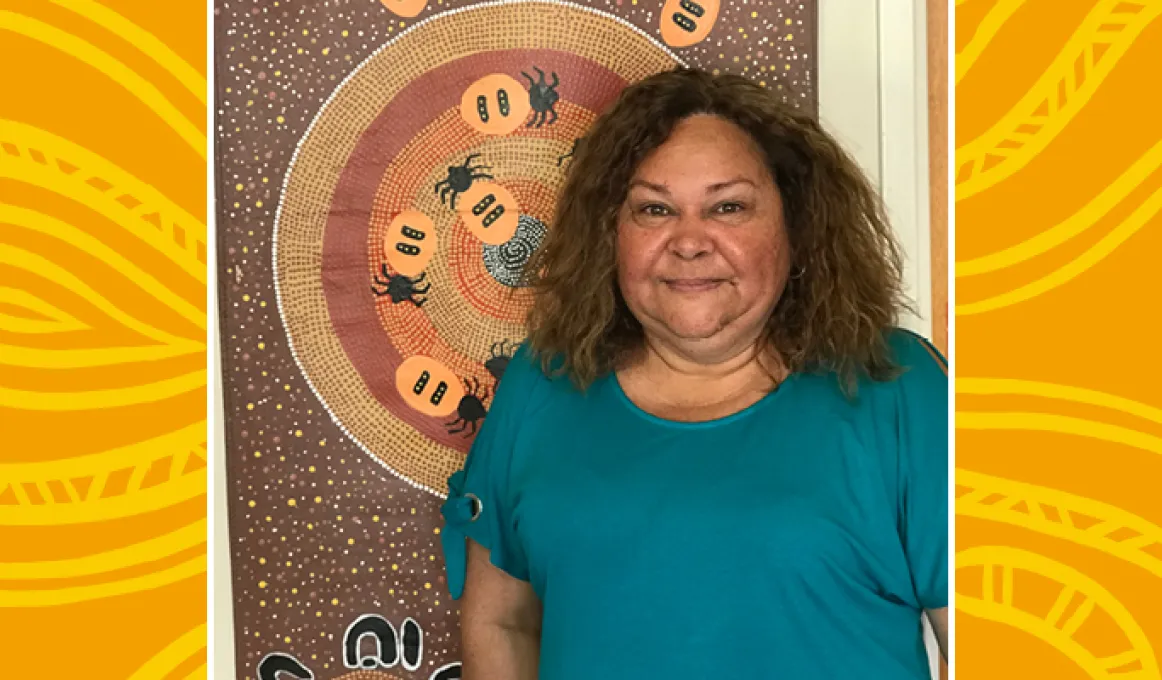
(506, 262)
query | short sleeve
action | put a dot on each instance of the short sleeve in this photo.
(478, 504)
(923, 467)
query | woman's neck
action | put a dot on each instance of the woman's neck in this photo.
(682, 385)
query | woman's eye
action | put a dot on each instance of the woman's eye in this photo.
(654, 210)
(729, 208)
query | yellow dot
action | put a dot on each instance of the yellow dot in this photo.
(294, 591)
(305, 32)
(277, 74)
(262, 560)
(237, 204)
(354, 570)
(788, 22)
(262, 603)
(246, 249)
(262, 345)
(395, 567)
(262, 584)
(318, 499)
(262, 303)
(736, 60)
(338, 518)
(252, 504)
(298, 433)
(278, 406)
(268, 518)
(322, 442)
(762, 83)
(310, 525)
(789, 37)
(292, 502)
(311, 469)
(246, 297)
(288, 563)
(317, 614)
(250, 102)
(326, 51)
(286, 388)
(786, 67)
(345, 33)
(335, 601)
(280, 120)
(258, 204)
(238, 187)
(375, 518)
(754, 15)
(286, 639)
(402, 24)
(391, 591)
(436, 530)
(427, 586)
(299, 51)
(250, 407)
(351, 541)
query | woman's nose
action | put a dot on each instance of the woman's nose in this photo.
(691, 239)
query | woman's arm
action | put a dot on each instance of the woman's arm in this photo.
(939, 620)
(500, 622)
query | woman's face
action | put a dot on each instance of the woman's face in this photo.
(703, 252)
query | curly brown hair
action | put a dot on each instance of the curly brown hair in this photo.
(845, 290)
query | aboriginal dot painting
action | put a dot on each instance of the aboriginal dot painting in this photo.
(384, 170)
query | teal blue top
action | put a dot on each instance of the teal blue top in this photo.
(800, 538)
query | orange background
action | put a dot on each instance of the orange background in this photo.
(1059, 430)
(102, 338)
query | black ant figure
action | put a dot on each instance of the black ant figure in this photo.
(501, 355)
(471, 409)
(572, 152)
(460, 177)
(542, 97)
(401, 288)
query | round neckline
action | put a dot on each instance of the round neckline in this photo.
(766, 399)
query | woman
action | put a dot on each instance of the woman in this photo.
(714, 457)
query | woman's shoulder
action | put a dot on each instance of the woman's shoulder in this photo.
(528, 382)
(917, 358)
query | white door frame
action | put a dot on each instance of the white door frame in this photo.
(872, 76)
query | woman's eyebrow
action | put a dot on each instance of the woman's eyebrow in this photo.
(660, 188)
(719, 186)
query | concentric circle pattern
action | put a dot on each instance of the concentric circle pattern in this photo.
(418, 127)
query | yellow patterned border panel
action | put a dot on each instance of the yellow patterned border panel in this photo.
(103, 254)
(1058, 176)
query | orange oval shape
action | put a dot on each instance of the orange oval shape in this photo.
(405, 8)
(686, 22)
(490, 211)
(496, 104)
(410, 242)
(429, 386)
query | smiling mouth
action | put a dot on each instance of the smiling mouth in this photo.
(693, 285)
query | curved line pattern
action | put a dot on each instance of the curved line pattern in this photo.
(52, 320)
(45, 268)
(1051, 422)
(143, 40)
(982, 502)
(988, 27)
(171, 493)
(119, 73)
(173, 655)
(1075, 224)
(52, 598)
(1054, 627)
(1094, 254)
(103, 399)
(40, 158)
(157, 548)
(1077, 395)
(1056, 98)
(84, 480)
(78, 238)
